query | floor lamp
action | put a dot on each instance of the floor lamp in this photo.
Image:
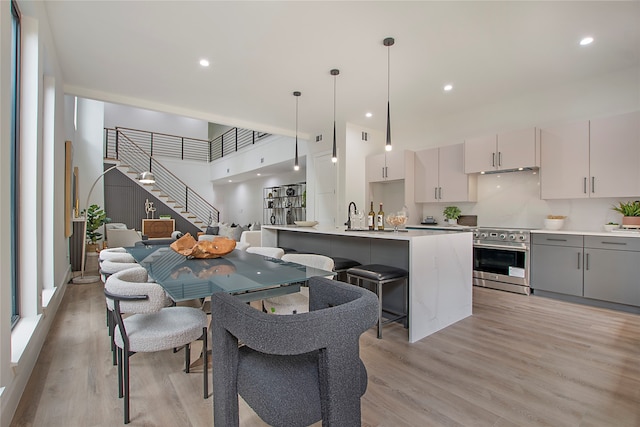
(145, 178)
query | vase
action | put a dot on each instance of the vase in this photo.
(631, 221)
(452, 221)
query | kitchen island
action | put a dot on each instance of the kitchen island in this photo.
(439, 265)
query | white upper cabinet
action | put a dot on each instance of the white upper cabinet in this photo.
(507, 150)
(564, 161)
(440, 176)
(385, 167)
(615, 156)
(600, 158)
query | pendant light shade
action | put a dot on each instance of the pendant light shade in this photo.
(388, 42)
(296, 165)
(334, 154)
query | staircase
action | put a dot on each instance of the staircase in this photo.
(132, 160)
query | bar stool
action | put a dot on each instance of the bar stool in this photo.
(379, 275)
(341, 265)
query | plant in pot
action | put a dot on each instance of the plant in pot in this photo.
(96, 218)
(631, 213)
(451, 214)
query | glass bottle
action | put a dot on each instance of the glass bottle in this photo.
(380, 218)
(371, 218)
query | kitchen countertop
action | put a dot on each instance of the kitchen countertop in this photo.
(621, 233)
(409, 234)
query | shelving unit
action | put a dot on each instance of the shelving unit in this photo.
(285, 204)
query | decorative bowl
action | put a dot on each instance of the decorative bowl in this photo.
(553, 224)
(611, 227)
(305, 223)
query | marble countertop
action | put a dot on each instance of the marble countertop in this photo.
(617, 233)
(340, 231)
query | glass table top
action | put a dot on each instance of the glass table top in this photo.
(235, 273)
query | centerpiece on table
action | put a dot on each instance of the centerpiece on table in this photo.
(203, 249)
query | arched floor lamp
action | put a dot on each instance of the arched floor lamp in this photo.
(145, 178)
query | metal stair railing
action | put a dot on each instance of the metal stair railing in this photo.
(185, 148)
(120, 147)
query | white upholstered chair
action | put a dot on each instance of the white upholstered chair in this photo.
(266, 251)
(115, 253)
(150, 326)
(297, 302)
(252, 238)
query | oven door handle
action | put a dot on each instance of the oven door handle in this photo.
(506, 248)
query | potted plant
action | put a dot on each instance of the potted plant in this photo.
(630, 213)
(96, 218)
(451, 214)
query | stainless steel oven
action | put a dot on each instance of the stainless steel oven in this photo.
(501, 259)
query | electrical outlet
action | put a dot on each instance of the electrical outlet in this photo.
(365, 136)
(261, 159)
(318, 138)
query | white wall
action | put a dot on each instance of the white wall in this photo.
(242, 203)
(88, 142)
(19, 349)
(153, 121)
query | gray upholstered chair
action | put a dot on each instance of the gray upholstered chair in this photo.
(150, 325)
(297, 302)
(292, 370)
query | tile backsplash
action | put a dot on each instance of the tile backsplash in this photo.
(513, 200)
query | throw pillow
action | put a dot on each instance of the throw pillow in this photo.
(212, 230)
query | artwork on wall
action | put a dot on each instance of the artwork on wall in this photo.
(68, 200)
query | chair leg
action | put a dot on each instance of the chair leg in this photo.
(187, 357)
(205, 369)
(126, 386)
(120, 387)
(379, 292)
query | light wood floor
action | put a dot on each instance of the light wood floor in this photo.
(518, 361)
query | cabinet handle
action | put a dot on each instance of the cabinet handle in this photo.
(584, 185)
(586, 262)
(556, 240)
(593, 184)
(579, 260)
(499, 158)
(613, 243)
(383, 171)
(386, 172)
(439, 192)
(435, 193)
(493, 159)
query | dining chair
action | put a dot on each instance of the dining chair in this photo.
(297, 302)
(150, 326)
(110, 253)
(292, 370)
(266, 251)
(114, 263)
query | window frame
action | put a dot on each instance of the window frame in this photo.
(15, 153)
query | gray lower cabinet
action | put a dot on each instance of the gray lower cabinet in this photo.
(612, 269)
(594, 267)
(557, 263)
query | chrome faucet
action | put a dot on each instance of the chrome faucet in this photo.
(355, 209)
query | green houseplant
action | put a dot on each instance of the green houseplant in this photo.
(630, 212)
(451, 214)
(96, 218)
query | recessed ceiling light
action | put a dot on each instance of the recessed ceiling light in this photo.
(204, 62)
(447, 88)
(585, 41)
(258, 174)
(369, 114)
(230, 180)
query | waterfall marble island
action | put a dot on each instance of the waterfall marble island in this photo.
(439, 264)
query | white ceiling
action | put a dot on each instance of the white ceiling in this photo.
(146, 54)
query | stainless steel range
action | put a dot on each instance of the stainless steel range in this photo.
(501, 259)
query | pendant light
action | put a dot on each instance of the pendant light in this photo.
(388, 42)
(334, 155)
(296, 166)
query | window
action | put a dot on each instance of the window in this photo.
(15, 152)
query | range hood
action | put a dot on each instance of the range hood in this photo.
(510, 170)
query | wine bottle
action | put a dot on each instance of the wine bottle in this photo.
(380, 218)
(371, 218)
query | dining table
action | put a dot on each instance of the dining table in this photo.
(248, 276)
